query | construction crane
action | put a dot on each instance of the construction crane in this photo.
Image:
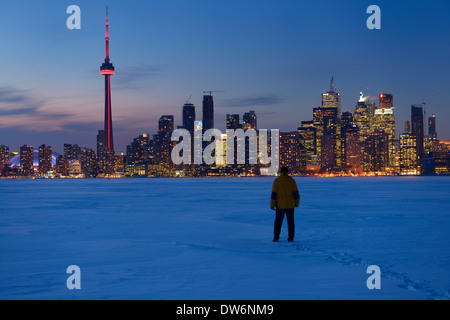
(424, 103)
(211, 92)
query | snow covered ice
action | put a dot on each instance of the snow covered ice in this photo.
(210, 238)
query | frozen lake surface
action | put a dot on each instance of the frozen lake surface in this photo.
(210, 238)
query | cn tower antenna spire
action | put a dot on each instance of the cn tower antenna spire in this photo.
(107, 37)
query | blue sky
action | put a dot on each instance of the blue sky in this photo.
(274, 57)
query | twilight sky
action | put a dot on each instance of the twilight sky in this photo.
(274, 57)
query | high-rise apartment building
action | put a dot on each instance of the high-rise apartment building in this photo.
(45, 159)
(249, 120)
(4, 154)
(26, 159)
(290, 151)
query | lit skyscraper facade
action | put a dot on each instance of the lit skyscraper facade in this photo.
(4, 154)
(26, 159)
(45, 159)
(384, 120)
(376, 152)
(409, 160)
(332, 99)
(386, 101)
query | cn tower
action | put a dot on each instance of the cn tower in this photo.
(107, 70)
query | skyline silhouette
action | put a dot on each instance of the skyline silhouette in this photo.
(279, 68)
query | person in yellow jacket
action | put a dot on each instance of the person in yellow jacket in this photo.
(285, 198)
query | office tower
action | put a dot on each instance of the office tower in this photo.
(249, 120)
(290, 151)
(352, 150)
(417, 130)
(62, 166)
(208, 112)
(409, 160)
(376, 152)
(4, 154)
(325, 121)
(327, 159)
(26, 159)
(432, 134)
(384, 119)
(45, 159)
(307, 136)
(346, 123)
(233, 121)
(386, 101)
(363, 117)
(189, 117)
(332, 99)
(107, 70)
(88, 162)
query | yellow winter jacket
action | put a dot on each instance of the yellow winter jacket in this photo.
(285, 193)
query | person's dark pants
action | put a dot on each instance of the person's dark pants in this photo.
(280, 213)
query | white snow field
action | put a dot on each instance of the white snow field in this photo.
(211, 239)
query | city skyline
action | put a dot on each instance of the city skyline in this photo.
(65, 107)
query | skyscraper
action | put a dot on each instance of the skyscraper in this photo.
(208, 112)
(432, 134)
(363, 117)
(4, 154)
(408, 155)
(332, 99)
(189, 117)
(352, 150)
(376, 152)
(26, 159)
(308, 143)
(290, 151)
(249, 120)
(45, 159)
(384, 120)
(386, 101)
(417, 129)
(107, 70)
